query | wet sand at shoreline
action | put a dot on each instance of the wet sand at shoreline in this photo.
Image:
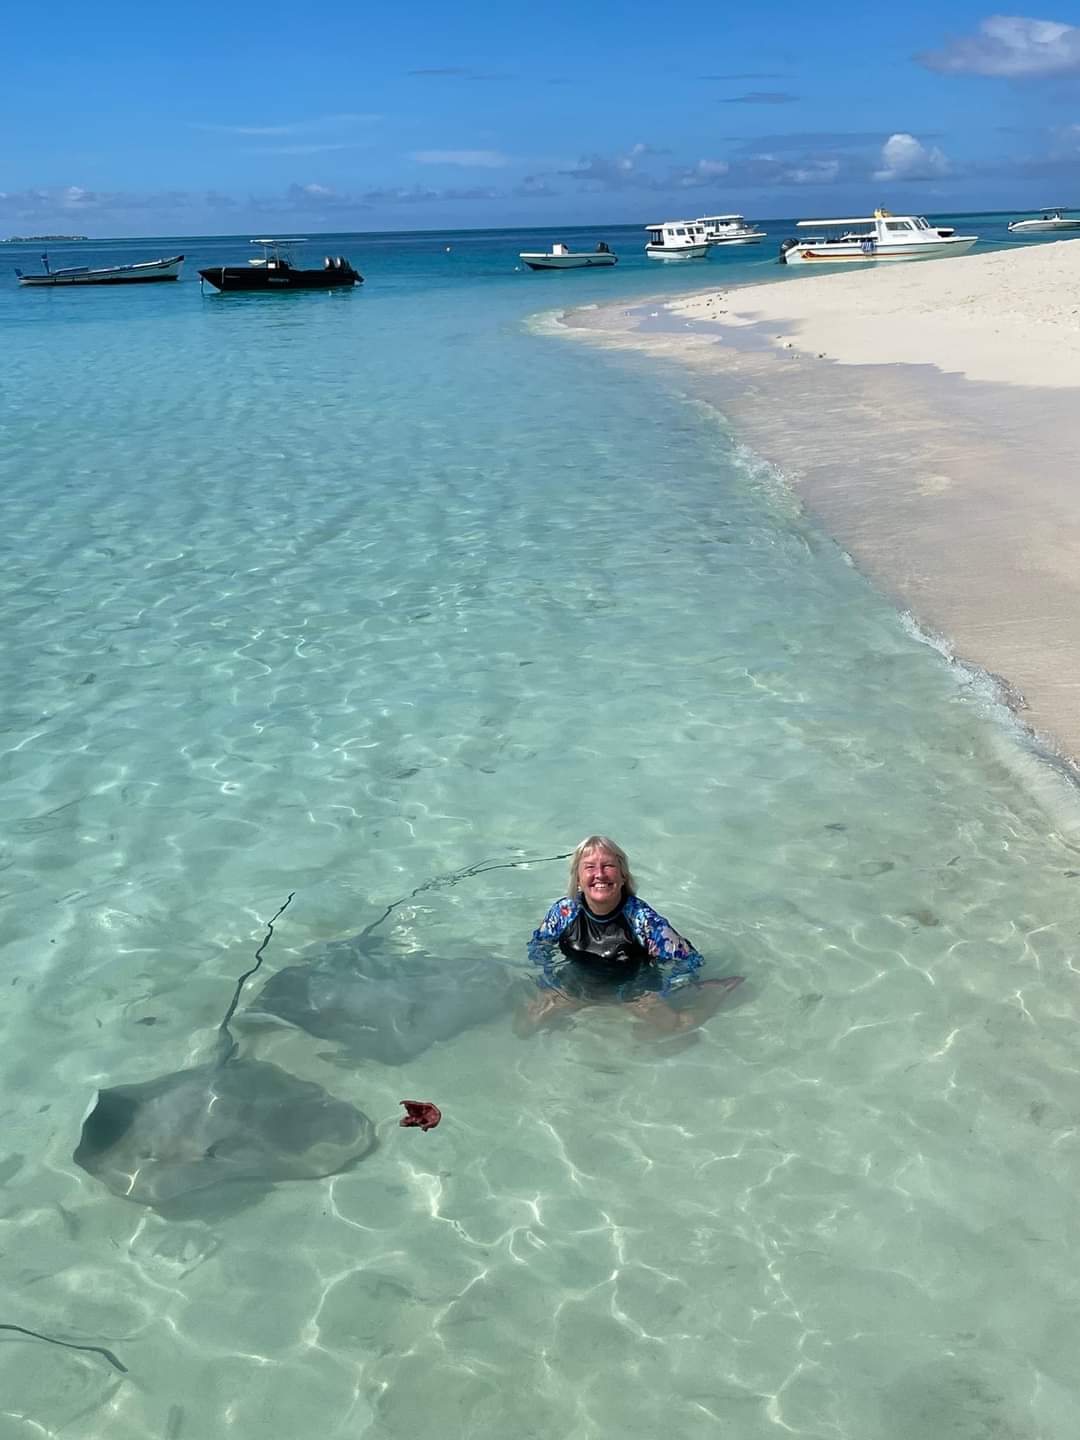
(951, 484)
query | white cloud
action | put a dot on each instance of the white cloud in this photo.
(617, 172)
(703, 173)
(1010, 45)
(481, 159)
(812, 172)
(294, 127)
(905, 158)
(305, 149)
(51, 206)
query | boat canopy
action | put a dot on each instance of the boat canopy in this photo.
(293, 240)
(706, 218)
(859, 220)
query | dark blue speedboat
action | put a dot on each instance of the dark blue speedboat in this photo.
(274, 270)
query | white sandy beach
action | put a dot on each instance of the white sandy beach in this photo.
(1010, 315)
(927, 414)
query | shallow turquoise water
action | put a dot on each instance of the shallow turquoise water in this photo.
(338, 594)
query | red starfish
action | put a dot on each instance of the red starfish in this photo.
(424, 1113)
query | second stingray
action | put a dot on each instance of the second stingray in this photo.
(381, 1004)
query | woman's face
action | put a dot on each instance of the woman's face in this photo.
(601, 880)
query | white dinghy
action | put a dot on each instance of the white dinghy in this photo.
(560, 257)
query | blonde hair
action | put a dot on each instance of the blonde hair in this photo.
(600, 842)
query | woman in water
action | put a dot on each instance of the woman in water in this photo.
(602, 944)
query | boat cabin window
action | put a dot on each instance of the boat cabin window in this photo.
(898, 225)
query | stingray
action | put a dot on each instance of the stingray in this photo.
(230, 1122)
(381, 1004)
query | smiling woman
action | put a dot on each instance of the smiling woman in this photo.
(601, 944)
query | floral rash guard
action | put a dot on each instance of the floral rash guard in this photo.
(668, 961)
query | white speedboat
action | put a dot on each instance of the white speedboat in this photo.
(881, 236)
(107, 274)
(675, 240)
(730, 230)
(1050, 221)
(560, 257)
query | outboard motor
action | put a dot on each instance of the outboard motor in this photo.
(785, 246)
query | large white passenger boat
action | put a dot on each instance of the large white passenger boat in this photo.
(1049, 221)
(676, 240)
(881, 236)
(730, 230)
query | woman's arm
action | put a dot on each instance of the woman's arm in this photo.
(665, 945)
(543, 947)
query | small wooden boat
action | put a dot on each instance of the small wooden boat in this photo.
(274, 270)
(137, 274)
(560, 257)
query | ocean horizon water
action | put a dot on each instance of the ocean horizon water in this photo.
(382, 599)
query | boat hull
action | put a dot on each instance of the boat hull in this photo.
(844, 253)
(677, 252)
(145, 272)
(568, 262)
(1043, 227)
(263, 279)
(739, 239)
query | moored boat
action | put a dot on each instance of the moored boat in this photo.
(274, 270)
(136, 274)
(675, 240)
(1051, 221)
(730, 230)
(883, 236)
(561, 257)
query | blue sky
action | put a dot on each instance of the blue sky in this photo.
(135, 119)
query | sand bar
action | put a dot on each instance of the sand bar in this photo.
(929, 415)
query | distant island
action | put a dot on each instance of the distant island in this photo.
(37, 239)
